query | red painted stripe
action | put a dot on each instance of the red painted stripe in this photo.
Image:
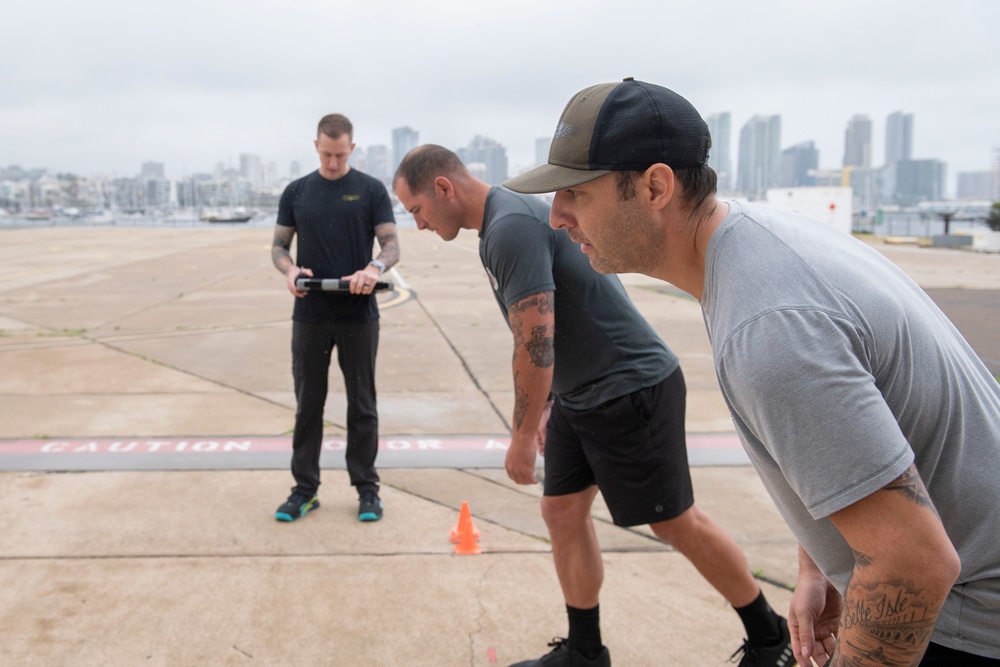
(237, 445)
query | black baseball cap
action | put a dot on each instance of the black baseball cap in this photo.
(625, 126)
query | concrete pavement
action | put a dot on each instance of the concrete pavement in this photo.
(139, 335)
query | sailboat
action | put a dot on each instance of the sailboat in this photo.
(226, 215)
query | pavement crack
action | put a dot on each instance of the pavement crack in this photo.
(239, 650)
(465, 365)
(189, 373)
(478, 629)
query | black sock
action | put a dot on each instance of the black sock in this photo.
(760, 622)
(585, 630)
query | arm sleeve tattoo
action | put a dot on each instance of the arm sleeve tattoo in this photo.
(280, 247)
(388, 243)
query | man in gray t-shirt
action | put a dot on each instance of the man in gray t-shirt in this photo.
(617, 419)
(871, 421)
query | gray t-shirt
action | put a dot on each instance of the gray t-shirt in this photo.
(604, 348)
(839, 372)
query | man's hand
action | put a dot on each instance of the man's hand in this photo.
(294, 273)
(520, 461)
(363, 281)
(814, 615)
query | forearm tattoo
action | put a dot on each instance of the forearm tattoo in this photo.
(280, 247)
(538, 342)
(388, 244)
(520, 403)
(884, 623)
(887, 622)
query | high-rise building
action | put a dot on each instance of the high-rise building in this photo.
(489, 153)
(294, 170)
(151, 170)
(719, 157)
(251, 170)
(760, 157)
(919, 180)
(357, 159)
(898, 147)
(867, 187)
(542, 146)
(158, 192)
(974, 185)
(898, 137)
(799, 164)
(377, 161)
(404, 139)
(270, 175)
(858, 142)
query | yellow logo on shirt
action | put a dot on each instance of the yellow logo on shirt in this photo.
(352, 197)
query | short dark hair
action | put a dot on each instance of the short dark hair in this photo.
(335, 125)
(425, 163)
(697, 184)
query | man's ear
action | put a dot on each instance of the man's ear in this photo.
(659, 180)
(444, 187)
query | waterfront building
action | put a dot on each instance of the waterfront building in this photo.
(919, 180)
(151, 170)
(490, 153)
(377, 160)
(799, 164)
(858, 142)
(974, 185)
(719, 157)
(251, 170)
(759, 165)
(898, 137)
(404, 139)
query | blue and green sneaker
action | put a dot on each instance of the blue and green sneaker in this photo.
(369, 507)
(297, 506)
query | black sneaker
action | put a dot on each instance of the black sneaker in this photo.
(369, 507)
(297, 506)
(563, 656)
(776, 655)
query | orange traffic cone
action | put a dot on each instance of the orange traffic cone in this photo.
(467, 534)
(464, 515)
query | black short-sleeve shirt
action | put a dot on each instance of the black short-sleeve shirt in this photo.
(335, 224)
(604, 348)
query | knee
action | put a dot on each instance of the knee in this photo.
(675, 531)
(562, 511)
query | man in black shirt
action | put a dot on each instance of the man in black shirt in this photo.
(337, 213)
(599, 393)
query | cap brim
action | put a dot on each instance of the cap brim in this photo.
(550, 177)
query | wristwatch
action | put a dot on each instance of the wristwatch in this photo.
(378, 264)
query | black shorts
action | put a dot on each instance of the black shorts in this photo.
(632, 447)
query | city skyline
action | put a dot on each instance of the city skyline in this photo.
(190, 84)
(896, 145)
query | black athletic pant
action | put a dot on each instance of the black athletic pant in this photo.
(356, 345)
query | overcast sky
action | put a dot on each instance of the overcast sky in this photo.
(102, 86)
